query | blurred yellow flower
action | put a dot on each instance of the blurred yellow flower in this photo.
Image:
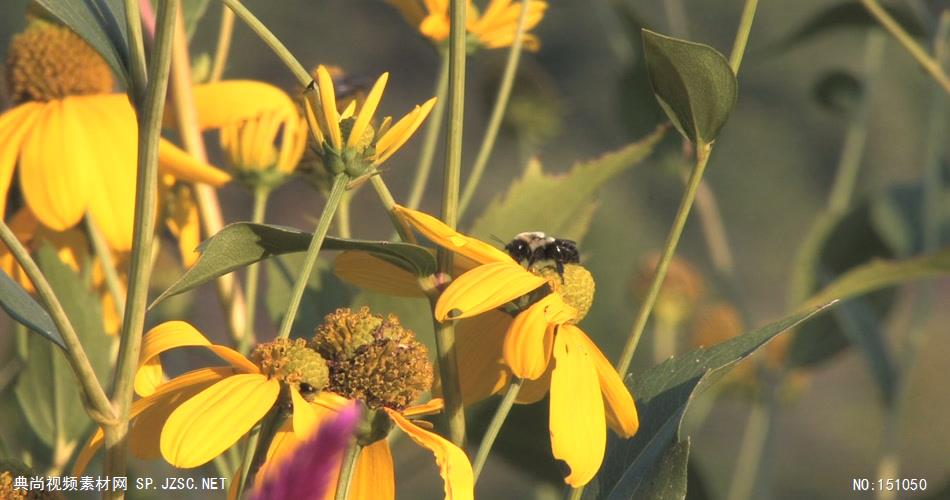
(347, 141)
(494, 28)
(541, 344)
(75, 140)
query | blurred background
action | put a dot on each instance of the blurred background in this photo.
(585, 93)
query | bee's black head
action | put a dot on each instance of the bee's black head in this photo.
(519, 250)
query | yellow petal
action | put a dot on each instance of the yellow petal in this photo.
(621, 410)
(331, 119)
(349, 110)
(533, 391)
(313, 124)
(185, 224)
(454, 467)
(401, 132)
(578, 430)
(172, 334)
(281, 447)
(431, 407)
(175, 161)
(437, 232)
(15, 125)
(478, 345)
(372, 273)
(305, 417)
(57, 166)
(367, 110)
(211, 422)
(530, 339)
(373, 477)
(485, 288)
(227, 102)
(410, 10)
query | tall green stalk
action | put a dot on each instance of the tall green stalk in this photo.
(347, 468)
(445, 332)
(146, 196)
(137, 73)
(109, 272)
(498, 112)
(261, 194)
(494, 427)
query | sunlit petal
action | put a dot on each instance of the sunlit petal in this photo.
(372, 273)
(402, 131)
(15, 125)
(222, 103)
(367, 110)
(175, 161)
(328, 107)
(305, 416)
(485, 288)
(431, 407)
(621, 410)
(478, 346)
(437, 232)
(373, 476)
(530, 339)
(533, 391)
(454, 467)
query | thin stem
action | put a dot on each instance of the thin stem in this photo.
(742, 34)
(186, 120)
(261, 194)
(96, 401)
(445, 332)
(223, 47)
(343, 229)
(146, 196)
(133, 27)
(250, 449)
(431, 140)
(679, 222)
(271, 41)
(494, 427)
(319, 233)
(920, 55)
(389, 203)
(113, 283)
(498, 112)
(714, 231)
(576, 493)
(347, 467)
(751, 447)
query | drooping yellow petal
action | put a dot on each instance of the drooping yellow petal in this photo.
(172, 334)
(373, 477)
(331, 118)
(621, 410)
(367, 110)
(175, 161)
(533, 391)
(431, 407)
(57, 166)
(454, 467)
(530, 339)
(437, 232)
(15, 125)
(401, 132)
(305, 417)
(372, 273)
(222, 103)
(485, 288)
(156, 402)
(287, 439)
(478, 345)
(578, 430)
(212, 421)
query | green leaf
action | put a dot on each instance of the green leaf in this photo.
(47, 389)
(101, 23)
(193, 11)
(243, 243)
(24, 309)
(663, 394)
(324, 293)
(693, 83)
(668, 480)
(558, 204)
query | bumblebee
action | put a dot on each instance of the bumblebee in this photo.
(532, 247)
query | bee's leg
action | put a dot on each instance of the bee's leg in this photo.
(560, 267)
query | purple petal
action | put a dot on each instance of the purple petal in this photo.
(308, 472)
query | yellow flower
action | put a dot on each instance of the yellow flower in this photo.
(542, 344)
(347, 142)
(74, 140)
(494, 28)
(193, 418)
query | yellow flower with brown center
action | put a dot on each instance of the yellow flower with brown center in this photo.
(346, 141)
(376, 361)
(541, 344)
(195, 417)
(493, 28)
(73, 140)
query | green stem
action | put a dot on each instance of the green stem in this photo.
(431, 141)
(250, 448)
(223, 47)
(97, 403)
(389, 203)
(146, 197)
(347, 467)
(494, 427)
(343, 216)
(137, 73)
(672, 240)
(300, 73)
(261, 194)
(498, 112)
(742, 34)
(751, 447)
(319, 233)
(929, 64)
(101, 249)
(445, 332)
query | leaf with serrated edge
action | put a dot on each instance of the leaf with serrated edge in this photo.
(243, 243)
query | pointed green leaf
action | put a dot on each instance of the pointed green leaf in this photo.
(243, 243)
(47, 389)
(101, 23)
(24, 309)
(193, 11)
(558, 204)
(692, 82)
(663, 394)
